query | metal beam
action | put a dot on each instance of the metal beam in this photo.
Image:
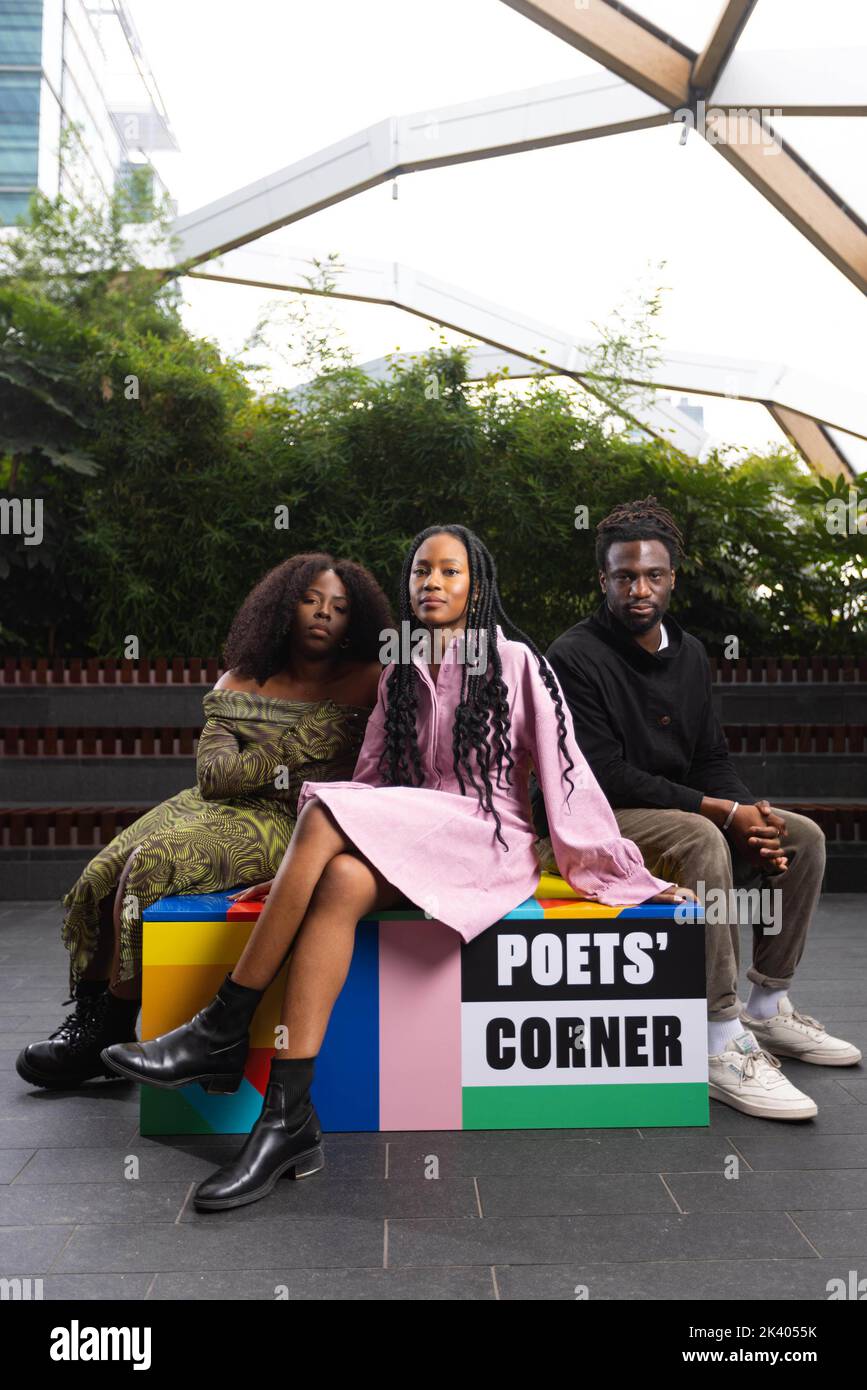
(539, 117)
(391, 283)
(721, 45)
(813, 442)
(508, 123)
(621, 41)
(802, 82)
(793, 188)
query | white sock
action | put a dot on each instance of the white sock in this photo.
(718, 1034)
(763, 1002)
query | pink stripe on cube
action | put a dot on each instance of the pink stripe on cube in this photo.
(419, 1026)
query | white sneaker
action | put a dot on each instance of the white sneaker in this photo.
(747, 1078)
(793, 1034)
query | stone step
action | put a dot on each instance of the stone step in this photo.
(76, 670)
(151, 706)
(151, 777)
(793, 775)
(789, 704)
(96, 823)
(71, 780)
(116, 740)
(159, 705)
(97, 740)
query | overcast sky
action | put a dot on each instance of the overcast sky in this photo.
(560, 234)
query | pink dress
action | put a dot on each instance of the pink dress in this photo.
(440, 848)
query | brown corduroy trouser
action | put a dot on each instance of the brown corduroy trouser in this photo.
(689, 850)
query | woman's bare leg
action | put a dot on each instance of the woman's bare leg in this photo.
(349, 888)
(315, 841)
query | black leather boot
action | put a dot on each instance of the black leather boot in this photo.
(71, 1055)
(284, 1142)
(212, 1048)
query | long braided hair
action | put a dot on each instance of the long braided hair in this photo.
(644, 520)
(482, 718)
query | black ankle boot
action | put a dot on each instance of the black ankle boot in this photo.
(212, 1048)
(285, 1141)
(71, 1055)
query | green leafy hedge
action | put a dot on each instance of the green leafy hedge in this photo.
(161, 470)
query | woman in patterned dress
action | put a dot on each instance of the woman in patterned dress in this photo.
(301, 680)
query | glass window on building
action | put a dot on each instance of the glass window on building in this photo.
(13, 206)
(136, 181)
(19, 139)
(21, 32)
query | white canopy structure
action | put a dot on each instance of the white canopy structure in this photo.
(651, 79)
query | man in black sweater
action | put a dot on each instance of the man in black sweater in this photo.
(639, 690)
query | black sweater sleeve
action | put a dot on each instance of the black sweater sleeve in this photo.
(711, 771)
(622, 782)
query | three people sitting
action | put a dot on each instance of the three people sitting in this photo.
(436, 812)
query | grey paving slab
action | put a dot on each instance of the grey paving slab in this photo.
(61, 1128)
(373, 1198)
(555, 1154)
(30, 1249)
(96, 1288)
(556, 1240)
(660, 1281)
(12, 1161)
(187, 1160)
(92, 1164)
(19, 1100)
(295, 1242)
(772, 1153)
(474, 1284)
(857, 1088)
(55, 1204)
(35, 1014)
(835, 1234)
(592, 1192)
(829, 1189)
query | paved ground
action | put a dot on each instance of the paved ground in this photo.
(629, 1214)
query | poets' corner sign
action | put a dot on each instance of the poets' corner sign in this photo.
(562, 1005)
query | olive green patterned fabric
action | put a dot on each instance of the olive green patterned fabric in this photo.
(232, 828)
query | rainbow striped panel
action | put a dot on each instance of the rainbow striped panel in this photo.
(425, 1036)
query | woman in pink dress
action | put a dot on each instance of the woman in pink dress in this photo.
(438, 813)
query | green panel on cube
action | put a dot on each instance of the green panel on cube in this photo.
(169, 1112)
(585, 1107)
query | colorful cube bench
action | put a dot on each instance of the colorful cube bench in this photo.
(564, 1015)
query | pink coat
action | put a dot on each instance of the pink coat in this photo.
(440, 848)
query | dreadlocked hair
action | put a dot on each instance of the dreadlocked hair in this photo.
(260, 638)
(482, 718)
(643, 520)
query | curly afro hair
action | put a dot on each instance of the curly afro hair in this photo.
(259, 640)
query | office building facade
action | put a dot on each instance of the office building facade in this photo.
(74, 66)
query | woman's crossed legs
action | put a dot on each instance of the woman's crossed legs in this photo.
(322, 888)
